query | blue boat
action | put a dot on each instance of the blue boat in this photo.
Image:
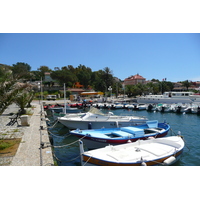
(98, 138)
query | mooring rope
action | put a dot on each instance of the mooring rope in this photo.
(69, 144)
(59, 136)
(55, 122)
(181, 137)
(73, 159)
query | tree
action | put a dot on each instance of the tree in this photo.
(107, 76)
(186, 84)
(9, 87)
(98, 83)
(42, 69)
(84, 75)
(64, 75)
(36, 75)
(24, 98)
(21, 70)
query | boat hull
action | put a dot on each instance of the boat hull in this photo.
(94, 143)
(147, 100)
(88, 161)
(99, 124)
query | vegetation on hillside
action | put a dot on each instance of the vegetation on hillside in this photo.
(14, 79)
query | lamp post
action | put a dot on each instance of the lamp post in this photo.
(39, 85)
(41, 91)
(110, 89)
(123, 85)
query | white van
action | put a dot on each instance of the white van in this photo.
(51, 97)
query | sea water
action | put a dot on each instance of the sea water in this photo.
(66, 148)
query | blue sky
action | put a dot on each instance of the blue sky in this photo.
(175, 56)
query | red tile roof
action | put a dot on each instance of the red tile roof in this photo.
(137, 76)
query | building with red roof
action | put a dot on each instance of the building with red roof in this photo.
(133, 80)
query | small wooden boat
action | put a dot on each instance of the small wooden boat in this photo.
(97, 138)
(157, 151)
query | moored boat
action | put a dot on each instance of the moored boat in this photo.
(157, 151)
(167, 97)
(97, 138)
(95, 119)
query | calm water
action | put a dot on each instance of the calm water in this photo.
(188, 124)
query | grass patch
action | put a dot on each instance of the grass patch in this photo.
(8, 147)
(7, 143)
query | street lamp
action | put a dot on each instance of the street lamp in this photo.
(39, 90)
(110, 89)
(123, 85)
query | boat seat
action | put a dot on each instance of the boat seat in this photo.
(122, 134)
(133, 130)
(98, 135)
(152, 124)
(157, 149)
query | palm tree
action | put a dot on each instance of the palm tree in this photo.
(9, 88)
(186, 84)
(24, 99)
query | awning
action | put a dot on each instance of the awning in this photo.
(91, 93)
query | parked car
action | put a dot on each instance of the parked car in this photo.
(51, 97)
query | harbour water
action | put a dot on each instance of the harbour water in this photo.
(67, 149)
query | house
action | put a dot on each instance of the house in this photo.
(133, 80)
(47, 77)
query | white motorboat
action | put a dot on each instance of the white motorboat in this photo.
(140, 106)
(167, 97)
(157, 151)
(95, 119)
(164, 108)
(118, 106)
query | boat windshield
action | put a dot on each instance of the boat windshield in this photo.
(83, 115)
(95, 111)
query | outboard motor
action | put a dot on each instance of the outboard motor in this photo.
(198, 110)
(178, 109)
(135, 107)
(150, 106)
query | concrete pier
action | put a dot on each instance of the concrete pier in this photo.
(29, 152)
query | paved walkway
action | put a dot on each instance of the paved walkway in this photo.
(29, 152)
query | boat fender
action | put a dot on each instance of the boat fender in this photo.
(179, 134)
(169, 160)
(89, 125)
(143, 164)
(110, 113)
(129, 141)
(150, 138)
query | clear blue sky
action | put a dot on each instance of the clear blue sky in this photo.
(175, 56)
